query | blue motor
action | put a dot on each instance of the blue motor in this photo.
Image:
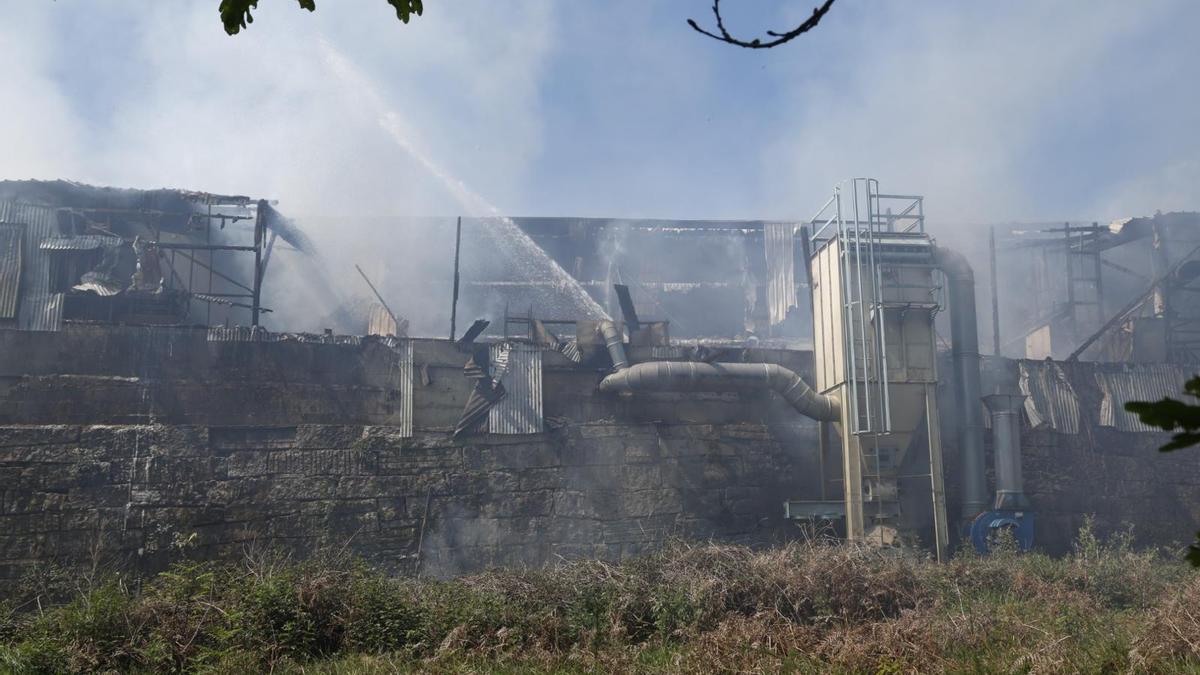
(989, 524)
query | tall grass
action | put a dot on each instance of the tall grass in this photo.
(689, 608)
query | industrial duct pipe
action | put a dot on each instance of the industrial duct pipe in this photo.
(675, 376)
(1004, 402)
(1006, 445)
(964, 349)
(1011, 510)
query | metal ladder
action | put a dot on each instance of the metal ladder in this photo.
(864, 330)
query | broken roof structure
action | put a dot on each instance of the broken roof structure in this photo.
(69, 250)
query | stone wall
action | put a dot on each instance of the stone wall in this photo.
(138, 493)
(127, 443)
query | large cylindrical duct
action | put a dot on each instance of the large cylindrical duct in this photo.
(675, 376)
(964, 349)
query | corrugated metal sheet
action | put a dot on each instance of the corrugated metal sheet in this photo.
(404, 384)
(519, 368)
(101, 289)
(39, 309)
(1050, 400)
(380, 321)
(1122, 383)
(239, 334)
(668, 352)
(10, 268)
(82, 242)
(779, 240)
(260, 334)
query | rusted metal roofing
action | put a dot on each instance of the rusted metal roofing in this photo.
(1125, 382)
(518, 367)
(39, 308)
(1050, 400)
(82, 242)
(10, 268)
(779, 242)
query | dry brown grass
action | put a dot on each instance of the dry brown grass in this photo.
(690, 609)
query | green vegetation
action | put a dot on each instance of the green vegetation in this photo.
(1183, 419)
(235, 14)
(710, 608)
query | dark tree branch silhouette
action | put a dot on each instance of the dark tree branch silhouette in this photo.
(777, 38)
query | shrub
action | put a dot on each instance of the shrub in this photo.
(809, 607)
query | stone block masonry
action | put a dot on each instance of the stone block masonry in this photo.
(139, 494)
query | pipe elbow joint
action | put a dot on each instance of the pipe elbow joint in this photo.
(954, 264)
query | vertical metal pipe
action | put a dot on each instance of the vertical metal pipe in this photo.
(995, 292)
(1100, 313)
(1071, 284)
(823, 440)
(208, 240)
(260, 215)
(964, 338)
(454, 300)
(1159, 264)
(1005, 410)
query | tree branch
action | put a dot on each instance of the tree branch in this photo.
(724, 35)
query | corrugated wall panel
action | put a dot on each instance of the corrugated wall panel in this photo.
(79, 242)
(1123, 383)
(1050, 398)
(39, 309)
(10, 268)
(404, 383)
(779, 242)
(520, 411)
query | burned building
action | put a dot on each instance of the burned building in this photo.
(73, 252)
(740, 381)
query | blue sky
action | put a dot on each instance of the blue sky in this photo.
(1013, 110)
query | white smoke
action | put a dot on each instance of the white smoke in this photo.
(1078, 109)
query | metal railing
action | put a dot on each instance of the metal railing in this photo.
(857, 214)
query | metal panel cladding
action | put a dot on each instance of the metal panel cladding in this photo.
(780, 244)
(520, 411)
(1050, 398)
(403, 381)
(10, 268)
(1122, 383)
(39, 308)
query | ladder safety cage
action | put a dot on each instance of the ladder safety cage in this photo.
(857, 220)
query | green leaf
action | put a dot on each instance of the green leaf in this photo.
(235, 14)
(405, 9)
(1170, 415)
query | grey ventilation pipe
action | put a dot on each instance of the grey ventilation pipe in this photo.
(614, 341)
(964, 349)
(1004, 402)
(676, 376)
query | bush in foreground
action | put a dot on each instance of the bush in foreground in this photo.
(688, 608)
